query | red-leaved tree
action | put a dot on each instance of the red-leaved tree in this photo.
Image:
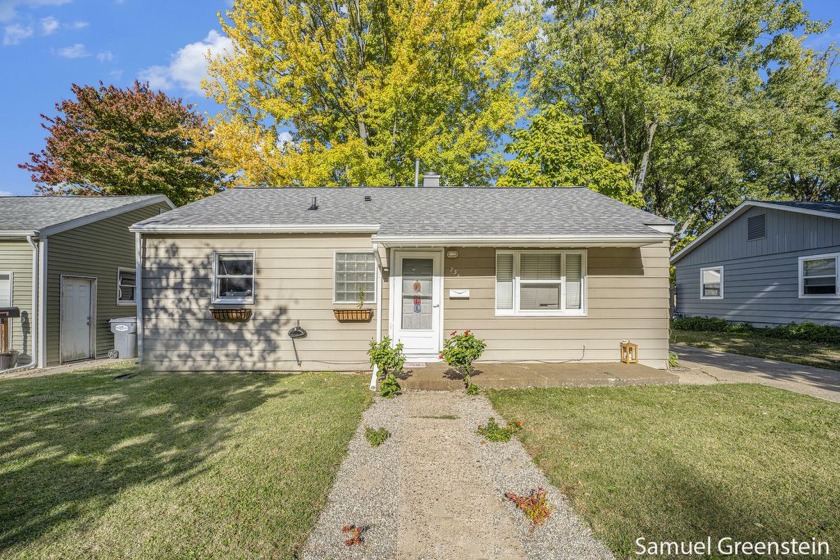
(124, 142)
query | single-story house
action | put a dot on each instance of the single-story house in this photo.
(541, 274)
(68, 265)
(766, 263)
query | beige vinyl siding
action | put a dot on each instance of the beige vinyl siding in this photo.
(93, 250)
(16, 257)
(293, 282)
(626, 298)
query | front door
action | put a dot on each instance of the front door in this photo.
(417, 318)
(76, 318)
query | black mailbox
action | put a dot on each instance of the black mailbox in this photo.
(9, 312)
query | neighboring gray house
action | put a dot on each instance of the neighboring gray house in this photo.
(81, 256)
(547, 274)
(765, 263)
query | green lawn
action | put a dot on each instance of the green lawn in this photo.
(161, 465)
(682, 463)
(816, 354)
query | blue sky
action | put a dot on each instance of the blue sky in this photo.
(45, 45)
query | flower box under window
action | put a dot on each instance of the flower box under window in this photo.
(353, 315)
(238, 315)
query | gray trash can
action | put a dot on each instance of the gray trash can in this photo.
(125, 336)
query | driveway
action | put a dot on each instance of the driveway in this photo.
(704, 367)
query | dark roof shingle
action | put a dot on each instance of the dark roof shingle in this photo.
(422, 211)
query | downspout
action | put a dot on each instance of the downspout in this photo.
(42, 300)
(378, 315)
(33, 359)
(138, 291)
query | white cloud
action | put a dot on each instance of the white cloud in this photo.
(73, 51)
(49, 25)
(76, 25)
(8, 8)
(188, 66)
(6, 193)
(15, 33)
(116, 74)
(104, 56)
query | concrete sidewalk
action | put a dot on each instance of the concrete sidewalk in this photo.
(438, 376)
(705, 367)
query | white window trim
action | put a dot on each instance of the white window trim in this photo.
(234, 300)
(335, 276)
(125, 302)
(11, 287)
(719, 269)
(562, 312)
(801, 266)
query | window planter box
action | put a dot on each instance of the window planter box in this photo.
(353, 315)
(231, 315)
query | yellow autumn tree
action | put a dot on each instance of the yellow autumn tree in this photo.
(365, 87)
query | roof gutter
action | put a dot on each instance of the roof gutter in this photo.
(18, 234)
(259, 228)
(522, 240)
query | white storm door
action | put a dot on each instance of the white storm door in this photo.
(417, 314)
(76, 318)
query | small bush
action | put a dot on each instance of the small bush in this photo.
(376, 437)
(807, 331)
(388, 358)
(390, 387)
(673, 360)
(535, 505)
(494, 432)
(461, 350)
(355, 534)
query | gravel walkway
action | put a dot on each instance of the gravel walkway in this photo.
(436, 490)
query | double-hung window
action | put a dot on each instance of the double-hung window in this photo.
(233, 277)
(711, 283)
(355, 278)
(126, 284)
(6, 289)
(534, 283)
(818, 276)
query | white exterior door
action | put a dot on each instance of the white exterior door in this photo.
(417, 316)
(77, 318)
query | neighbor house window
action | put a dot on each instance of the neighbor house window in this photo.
(233, 277)
(540, 282)
(711, 283)
(355, 277)
(818, 276)
(5, 289)
(126, 284)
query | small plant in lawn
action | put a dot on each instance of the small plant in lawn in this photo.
(673, 360)
(494, 432)
(355, 534)
(535, 505)
(376, 437)
(460, 351)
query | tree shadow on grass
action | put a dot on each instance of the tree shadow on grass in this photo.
(70, 444)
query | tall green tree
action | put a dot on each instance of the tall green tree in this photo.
(129, 141)
(693, 95)
(367, 86)
(555, 150)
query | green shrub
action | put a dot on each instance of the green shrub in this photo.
(494, 432)
(673, 360)
(390, 387)
(461, 350)
(386, 357)
(376, 437)
(472, 388)
(807, 331)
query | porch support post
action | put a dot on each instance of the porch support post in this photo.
(378, 315)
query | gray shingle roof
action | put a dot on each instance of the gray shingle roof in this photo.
(35, 213)
(423, 211)
(831, 207)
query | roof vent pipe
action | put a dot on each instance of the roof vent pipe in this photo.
(431, 179)
(314, 205)
(416, 172)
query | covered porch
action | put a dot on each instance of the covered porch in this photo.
(437, 376)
